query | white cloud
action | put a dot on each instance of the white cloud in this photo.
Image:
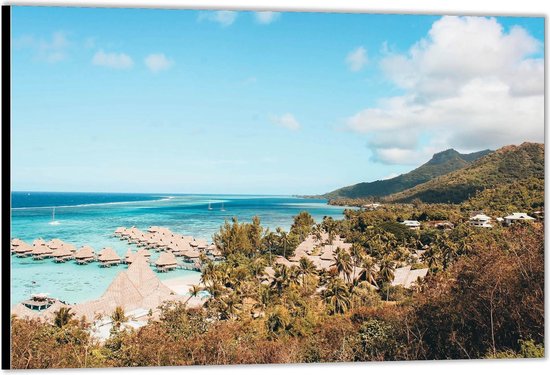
(157, 62)
(468, 85)
(357, 59)
(51, 50)
(265, 18)
(112, 60)
(223, 17)
(390, 176)
(286, 120)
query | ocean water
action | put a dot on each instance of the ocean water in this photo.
(91, 218)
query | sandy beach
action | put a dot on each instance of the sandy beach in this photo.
(181, 284)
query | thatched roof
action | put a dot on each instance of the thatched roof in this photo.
(282, 260)
(56, 243)
(108, 255)
(39, 242)
(137, 287)
(41, 250)
(63, 251)
(23, 312)
(84, 252)
(166, 259)
(406, 277)
(23, 248)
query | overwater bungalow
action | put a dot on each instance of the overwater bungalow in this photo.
(15, 243)
(23, 250)
(191, 255)
(62, 254)
(166, 262)
(55, 244)
(41, 252)
(108, 257)
(84, 255)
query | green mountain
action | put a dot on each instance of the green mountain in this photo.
(440, 164)
(505, 166)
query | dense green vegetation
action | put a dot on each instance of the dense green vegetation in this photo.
(483, 298)
(441, 163)
(505, 166)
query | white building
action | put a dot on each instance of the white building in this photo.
(516, 217)
(481, 220)
(371, 206)
(411, 224)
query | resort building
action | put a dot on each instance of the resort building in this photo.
(166, 262)
(481, 221)
(411, 224)
(371, 206)
(517, 217)
(41, 252)
(62, 254)
(108, 257)
(21, 249)
(406, 277)
(84, 255)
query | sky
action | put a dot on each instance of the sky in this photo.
(190, 101)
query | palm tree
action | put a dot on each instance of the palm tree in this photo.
(280, 278)
(118, 317)
(277, 321)
(356, 253)
(368, 272)
(337, 296)
(63, 316)
(193, 292)
(342, 262)
(318, 232)
(286, 242)
(386, 273)
(306, 268)
(230, 306)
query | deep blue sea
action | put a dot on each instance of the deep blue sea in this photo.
(91, 218)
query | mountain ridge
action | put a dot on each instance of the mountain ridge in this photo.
(441, 163)
(506, 165)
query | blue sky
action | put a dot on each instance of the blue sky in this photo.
(137, 100)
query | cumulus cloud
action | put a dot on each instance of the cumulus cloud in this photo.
(51, 50)
(223, 17)
(357, 59)
(468, 84)
(157, 62)
(287, 121)
(112, 60)
(265, 18)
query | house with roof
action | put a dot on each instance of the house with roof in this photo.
(411, 224)
(517, 217)
(481, 221)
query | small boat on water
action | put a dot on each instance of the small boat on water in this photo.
(209, 206)
(54, 222)
(223, 209)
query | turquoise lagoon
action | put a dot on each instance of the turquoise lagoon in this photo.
(91, 218)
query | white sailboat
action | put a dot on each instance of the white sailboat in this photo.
(209, 206)
(54, 222)
(223, 209)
